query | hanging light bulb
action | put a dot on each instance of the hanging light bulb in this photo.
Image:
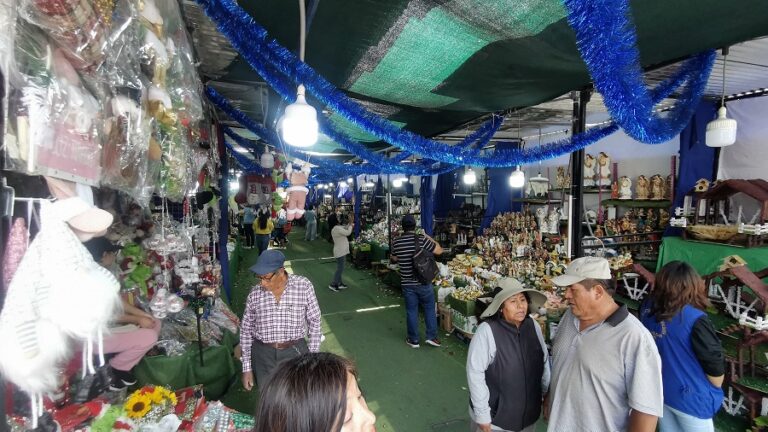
(721, 131)
(398, 182)
(470, 177)
(517, 179)
(369, 183)
(343, 184)
(299, 122)
(330, 185)
(350, 181)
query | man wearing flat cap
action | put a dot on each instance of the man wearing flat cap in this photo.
(281, 311)
(606, 369)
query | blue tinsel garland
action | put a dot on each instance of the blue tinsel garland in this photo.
(608, 45)
(268, 57)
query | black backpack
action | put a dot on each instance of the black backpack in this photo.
(424, 265)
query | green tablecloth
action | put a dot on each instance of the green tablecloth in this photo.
(378, 252)
(706, 258)
(177, 372)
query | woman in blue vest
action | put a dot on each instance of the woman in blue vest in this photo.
(692, 363)
(507, 364)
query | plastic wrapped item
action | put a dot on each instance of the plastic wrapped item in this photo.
(56, 119)
(172, 347)
(79, 27)
(223, 317)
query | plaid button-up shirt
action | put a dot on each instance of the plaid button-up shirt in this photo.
(268, 321)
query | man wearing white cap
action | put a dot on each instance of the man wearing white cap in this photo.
(606, 370)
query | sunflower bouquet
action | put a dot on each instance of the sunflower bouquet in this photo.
(150, 403)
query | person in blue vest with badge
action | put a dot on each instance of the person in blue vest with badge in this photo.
(692, 361)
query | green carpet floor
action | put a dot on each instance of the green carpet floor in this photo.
(408, 389)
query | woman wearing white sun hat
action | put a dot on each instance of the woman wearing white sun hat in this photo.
(507, 364)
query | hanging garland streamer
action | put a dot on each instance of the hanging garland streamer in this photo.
(607, 42)
(251, 41)
(266, 56)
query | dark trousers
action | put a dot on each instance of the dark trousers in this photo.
(264, 358)
(339, 270)
(248, 228)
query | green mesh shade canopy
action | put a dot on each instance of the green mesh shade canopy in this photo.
(431, 66)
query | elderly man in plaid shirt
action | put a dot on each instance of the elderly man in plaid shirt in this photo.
(279, 313)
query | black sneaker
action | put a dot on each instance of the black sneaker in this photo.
(411, 343)
(122, 379)
(333, 288)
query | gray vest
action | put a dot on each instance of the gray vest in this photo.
(514, 376)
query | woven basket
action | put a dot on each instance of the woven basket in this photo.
(721, 233)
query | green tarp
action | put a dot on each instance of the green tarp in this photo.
(433, 65)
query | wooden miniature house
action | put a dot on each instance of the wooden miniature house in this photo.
(713, 208)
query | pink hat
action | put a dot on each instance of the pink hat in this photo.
(86, 220)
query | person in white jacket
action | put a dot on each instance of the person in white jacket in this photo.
(340, 235)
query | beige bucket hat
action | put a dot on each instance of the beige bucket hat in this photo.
(511, 287)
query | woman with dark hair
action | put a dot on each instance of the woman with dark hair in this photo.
(263, 227)
(692, 362)
(507, 364)
(315, 392)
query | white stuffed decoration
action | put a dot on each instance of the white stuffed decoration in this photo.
(625, 188)
(58, 293)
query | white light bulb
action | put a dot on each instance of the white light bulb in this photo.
(470, 177)
(517, 179)
(397, 182)
(299, 122)
(369, 184)
(350, 180)
(330, 184)
(343, 184)
(721, 131)
(234, 185)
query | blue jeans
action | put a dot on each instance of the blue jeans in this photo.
(339, 270)
(678, 421)
(423, 295)
(311, 233)
(262, 242)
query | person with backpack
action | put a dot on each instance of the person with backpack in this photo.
(416, 292)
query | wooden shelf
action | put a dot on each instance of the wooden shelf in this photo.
(637, 203)
(618, 244)
(537, 201)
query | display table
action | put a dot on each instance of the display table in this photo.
(177, 372)
(706, 258)
(379, 252)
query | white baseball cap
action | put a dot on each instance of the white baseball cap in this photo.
(584, 268)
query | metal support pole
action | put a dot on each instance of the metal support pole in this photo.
(579, 125)
(388, 197)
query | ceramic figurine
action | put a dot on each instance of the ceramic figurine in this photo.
(554, 221)
(663, 218)
(541, 219)
(563, 179)
(599, 231)
(657, 187)
(615, 190)
(603, 169)
(625, 188)
(589, 170)
(641, 188)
